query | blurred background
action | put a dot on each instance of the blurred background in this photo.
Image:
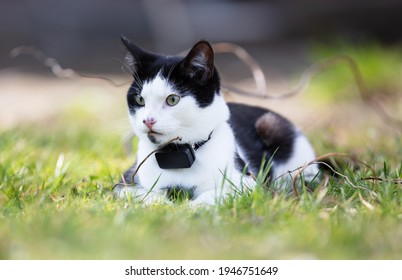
(284, 36)
(84, 35)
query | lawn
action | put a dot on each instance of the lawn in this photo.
(56, 178)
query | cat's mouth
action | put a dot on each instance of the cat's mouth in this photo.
(152, 136)
(153, 132)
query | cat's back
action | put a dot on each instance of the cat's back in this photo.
(260, 132)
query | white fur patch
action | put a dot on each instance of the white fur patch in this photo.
(303, 154)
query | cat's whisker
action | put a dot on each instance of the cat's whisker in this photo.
(128, 142)
(129, 62)
(171, 70)
(138, 83)
(137, 80)
(128, 136)
(186, 134)
(130, 71)
(130, 67)
(118, 126)
(126, 66)
(124, 69)
(174, 135)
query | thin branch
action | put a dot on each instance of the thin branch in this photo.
(55, 66)
(318, 160)
(150, 154)
(395, 181)
(255, 68)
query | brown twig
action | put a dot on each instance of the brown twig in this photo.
(255, 68)
(395, 181)
(150, 154)
(318, 160)
(55, 66)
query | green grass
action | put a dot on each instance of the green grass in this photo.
(56, 202)
(57, 209)
(380, 68)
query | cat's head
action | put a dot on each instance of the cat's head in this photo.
(173, 96)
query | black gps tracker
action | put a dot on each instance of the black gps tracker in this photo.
(175, 156)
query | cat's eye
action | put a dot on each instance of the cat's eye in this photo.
(172, 99)
(139, 100)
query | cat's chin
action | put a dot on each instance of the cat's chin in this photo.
(160, 139)
(154, 137)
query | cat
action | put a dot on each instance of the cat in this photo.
(205, 146)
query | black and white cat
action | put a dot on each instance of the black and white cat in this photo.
(220, 143)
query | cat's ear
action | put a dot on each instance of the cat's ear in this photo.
(137, 57)
(199, 62)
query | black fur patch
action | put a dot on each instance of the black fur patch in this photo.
(146, 72)
(193, 75)
(180, 193)
(202, 91)
(261, 134)
(240, 164)
(277, 133)
(128, 178)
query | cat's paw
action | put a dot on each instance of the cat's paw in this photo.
(140, 195)
(206, 199)
(124, 191)
(306, 176)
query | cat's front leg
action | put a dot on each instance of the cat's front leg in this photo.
(206, 198)
(205, 195)
(152, 197)
(140, 194)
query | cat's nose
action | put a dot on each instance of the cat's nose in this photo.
(149, 122)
